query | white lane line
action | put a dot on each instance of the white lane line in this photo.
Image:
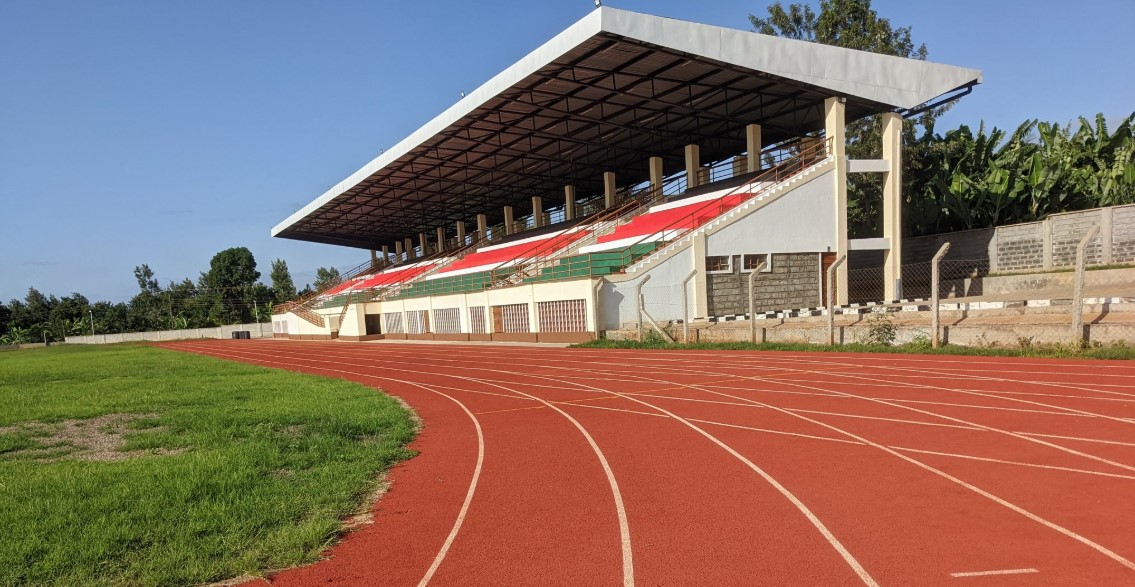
(991, 573)
(624, 526)
(476, 470)
(594, 407)
(1052, 525)
(1098, 440)
(978, 407)
(468, 495)
(829, 439)
(989, 460)
(958, 426)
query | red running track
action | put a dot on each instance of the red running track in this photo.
(547, 466)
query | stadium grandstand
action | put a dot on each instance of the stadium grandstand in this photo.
(629, 148)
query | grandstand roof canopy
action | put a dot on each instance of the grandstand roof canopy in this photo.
(606, 94)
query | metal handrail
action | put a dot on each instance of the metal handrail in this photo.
(796, 159)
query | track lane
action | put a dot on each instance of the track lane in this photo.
(523, 364)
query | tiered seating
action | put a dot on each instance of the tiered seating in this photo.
(342, 293)
(668, 221)
(478, 270)
(593, 264)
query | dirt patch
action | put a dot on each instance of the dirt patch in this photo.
(96, 439)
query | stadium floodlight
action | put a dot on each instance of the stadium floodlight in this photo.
(598, 3)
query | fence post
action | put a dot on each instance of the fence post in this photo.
(639, 303)
(686, 306)
(1078, 288)
(752, 303)
(831, 298)
(935, 339)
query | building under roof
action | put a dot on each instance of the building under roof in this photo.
(607, 94)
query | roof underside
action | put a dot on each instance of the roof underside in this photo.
(608, 103)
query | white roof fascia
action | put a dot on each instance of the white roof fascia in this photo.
(897, 81)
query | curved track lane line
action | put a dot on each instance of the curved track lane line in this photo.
(476, 469)
(1062, 530)
(620, 508)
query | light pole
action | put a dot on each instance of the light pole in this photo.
(92, 312)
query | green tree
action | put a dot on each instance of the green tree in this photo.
(326, 277)
(855, 25)
(283, 287)
(228, 284)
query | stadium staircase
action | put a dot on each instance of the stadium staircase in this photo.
(801, 167)
(305, 306)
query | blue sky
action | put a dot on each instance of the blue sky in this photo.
(163, 132)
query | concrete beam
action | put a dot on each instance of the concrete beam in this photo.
(537, 212)
(569, 202)
(656, 176)
(892, 205)
(753, 146)
(693, 166)
(835, 129)
(608, 189)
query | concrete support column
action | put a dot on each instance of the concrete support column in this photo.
(656, 176)
(739, 166)
(398, 250)
(508, 222)
(835, 128)
(753, 146)
(608, 189)
(537, 212)
(693, 166)
(409, 245)
(440, 239)
(423, 244)
(460, 233)
(482, 227)
(373, 258)
(386, 253)
(701, 285)
(569, 202)
(892, 205)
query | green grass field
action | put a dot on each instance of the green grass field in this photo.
(221, 468)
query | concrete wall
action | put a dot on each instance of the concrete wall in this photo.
(803, 220)
(257, 330)
(1050, 244)
(662, 294)
(794, 282)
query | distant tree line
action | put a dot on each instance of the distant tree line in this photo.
(230, 292)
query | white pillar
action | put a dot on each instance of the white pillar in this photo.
(409, 246)
(537, 211)
(753, 146)
(508, 223)
(569, 202)
(739, 165)
(693, 166)
(482, 227)
(440, 239)
(386, 253)
(892, 205)
(460, 233)
(423, 244)
(835, 127)
(398, 250)
(373, 258)
(608, 189)
(656, 176)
